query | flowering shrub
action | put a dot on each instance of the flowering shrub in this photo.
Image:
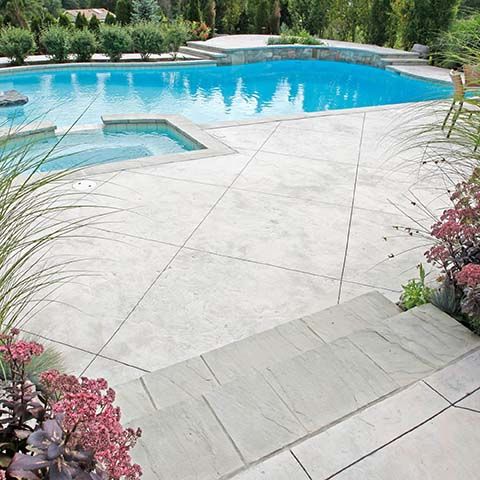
(200, 31)
(64, 428)
(457, 248)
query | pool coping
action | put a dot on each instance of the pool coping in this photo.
(210, 146)
(5, 71)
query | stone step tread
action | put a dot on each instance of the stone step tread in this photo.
(201, 52)
(405, 61)
(191, 378)
(199, 45)
(264, 412)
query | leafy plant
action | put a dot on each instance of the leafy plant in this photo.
(64, 424)
(175, 35)
(57, 43)
(416, 292)
(294, 36)
(83, 45)
(16, 44)
(115, 40)
(147, 39)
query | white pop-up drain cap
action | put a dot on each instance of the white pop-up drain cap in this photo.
(84, 185)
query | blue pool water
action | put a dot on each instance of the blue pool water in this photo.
(210, 94)
(102, 146)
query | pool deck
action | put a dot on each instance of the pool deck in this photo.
(205, 252)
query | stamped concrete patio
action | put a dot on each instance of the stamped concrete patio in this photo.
(209, 251)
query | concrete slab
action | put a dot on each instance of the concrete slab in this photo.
(133, 400)
(403, 366)
(472, 402)
(315, 144)
(117, 273)
(380, 255)
(459, 379)
(245, 137)
(430, 335)
(220, 170)
(157, 208)
(114, 372)
(277, 231)
(343, 444)
(206, 301)
(177, 383)
(298, 177)
(325, 384)
(439, 450)
(366, 311)
(185, 442)
(255, 417)
(280, 467)
(261, 351)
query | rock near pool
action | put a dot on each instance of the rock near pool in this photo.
(12, 98)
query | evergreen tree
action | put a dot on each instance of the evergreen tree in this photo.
(263, 16)
(210, 14)
(193, 11)
(94, 24)
(123, 12)
(379, 22)
(64, 21)
(276, 17)
(312, 15)
(144, 11)
(421, 21)
(81, 21)
(110, 19)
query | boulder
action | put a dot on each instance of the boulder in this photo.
(12, 98)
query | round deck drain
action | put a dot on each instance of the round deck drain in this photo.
(84, 185)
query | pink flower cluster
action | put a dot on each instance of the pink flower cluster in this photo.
(469, 275)
(19, 351)
(92, 421)
(457, 232)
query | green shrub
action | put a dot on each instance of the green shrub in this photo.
(421, 21)
(147, 39)
(453, 48)
(94, 24)
(57, 43)
(115, 40)
(65, 21)
(16, 44)
(81, 21)
(175, 34)
(84, 45)
(416, 292)
(291, 37)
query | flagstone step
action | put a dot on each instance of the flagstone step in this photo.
(202, 53)
(199, 375)
(232, 425)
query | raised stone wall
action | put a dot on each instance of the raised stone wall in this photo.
(299, 52)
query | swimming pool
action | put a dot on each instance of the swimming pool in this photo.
(209, 93)
(102, 145)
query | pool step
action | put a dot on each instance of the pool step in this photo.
(215, 415)
(201, 53)
(397, 60)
